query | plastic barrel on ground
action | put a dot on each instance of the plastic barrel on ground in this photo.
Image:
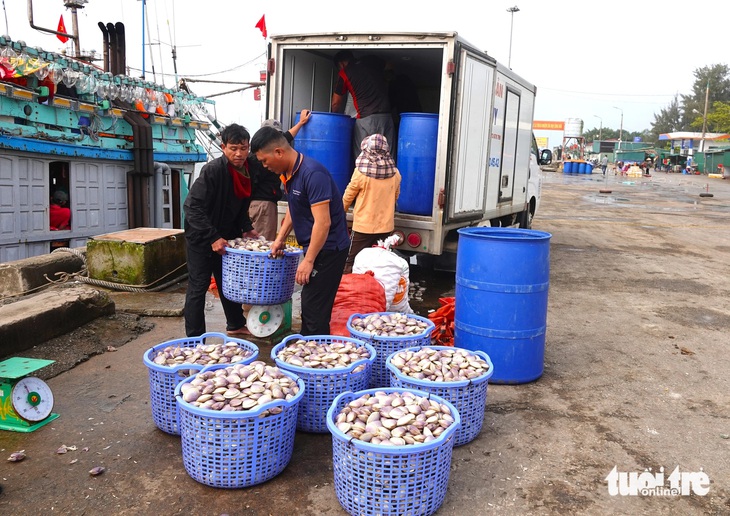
(327, 138)
(502, 279)
(417, 142)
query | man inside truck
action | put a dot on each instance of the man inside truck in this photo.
(364, 80)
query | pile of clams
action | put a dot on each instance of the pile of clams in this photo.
(201, 354)
(389, 325)
(394, 419)
(259, 244)
(240, 387)
(440, 365)
(323, 355)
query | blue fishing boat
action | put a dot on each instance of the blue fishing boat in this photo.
(122, 149)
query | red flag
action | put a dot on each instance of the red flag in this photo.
(261, 25)
(61, 28)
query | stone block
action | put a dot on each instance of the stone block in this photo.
(140, 257)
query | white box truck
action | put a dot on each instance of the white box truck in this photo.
(486, 158)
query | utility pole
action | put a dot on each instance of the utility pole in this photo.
(600, 129)
(704, 117)
(512, 11)
(621, 128)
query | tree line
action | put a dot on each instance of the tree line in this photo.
(685, 112)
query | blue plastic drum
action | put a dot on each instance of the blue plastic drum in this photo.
(327, 138)
(502, 279)
(417, 142)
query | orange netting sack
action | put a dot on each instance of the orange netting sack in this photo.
(443, 318)
(357, 293)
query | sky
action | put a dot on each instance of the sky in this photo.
(595, 61)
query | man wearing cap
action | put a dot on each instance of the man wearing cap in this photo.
(375, 184)
(59, 212)
(314, 211)
(266, 187)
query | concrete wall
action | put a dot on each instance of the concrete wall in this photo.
(21, 276)
(53, 312)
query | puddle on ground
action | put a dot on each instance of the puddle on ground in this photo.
(607, 199)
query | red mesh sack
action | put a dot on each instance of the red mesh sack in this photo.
(358, 293)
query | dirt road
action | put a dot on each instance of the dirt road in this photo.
(636, 378)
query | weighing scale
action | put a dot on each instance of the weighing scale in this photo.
(269, 320)
(26, 402)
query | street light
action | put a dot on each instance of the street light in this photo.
(704, 127)
(621, 129)
(512, 11)
(600, 129)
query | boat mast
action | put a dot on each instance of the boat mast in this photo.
(74, 5)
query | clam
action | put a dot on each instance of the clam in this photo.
(95, 471)
(17, 456)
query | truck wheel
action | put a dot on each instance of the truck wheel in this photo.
(526, 219)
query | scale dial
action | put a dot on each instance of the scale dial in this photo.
(264, 320)
(32, 399)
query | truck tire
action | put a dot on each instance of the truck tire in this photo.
(526, 219)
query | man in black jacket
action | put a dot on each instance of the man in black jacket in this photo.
(216, 210)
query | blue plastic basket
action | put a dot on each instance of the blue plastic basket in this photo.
(164, 379)
(372, 479)
(237, 449)
(255, 278)
(384, 346)
(323, 385)
(468, 396)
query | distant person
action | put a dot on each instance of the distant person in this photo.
(59, 212)
(216, 210)
(266, 190)
(604, 164)
(314, 211)
(364, 79)
(375, 185)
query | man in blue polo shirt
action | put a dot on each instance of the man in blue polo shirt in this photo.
(316, 214)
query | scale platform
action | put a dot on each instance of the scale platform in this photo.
(26, 402)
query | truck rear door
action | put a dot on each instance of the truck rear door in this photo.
(470, 135)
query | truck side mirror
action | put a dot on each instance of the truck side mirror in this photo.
(546, 157)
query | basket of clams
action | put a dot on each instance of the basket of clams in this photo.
(391, 450)
(252, 276)
(237, 423)
(457, 375)
(171, 362)
(388, 332)
(329, 365)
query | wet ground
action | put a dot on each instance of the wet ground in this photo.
(635, 378)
